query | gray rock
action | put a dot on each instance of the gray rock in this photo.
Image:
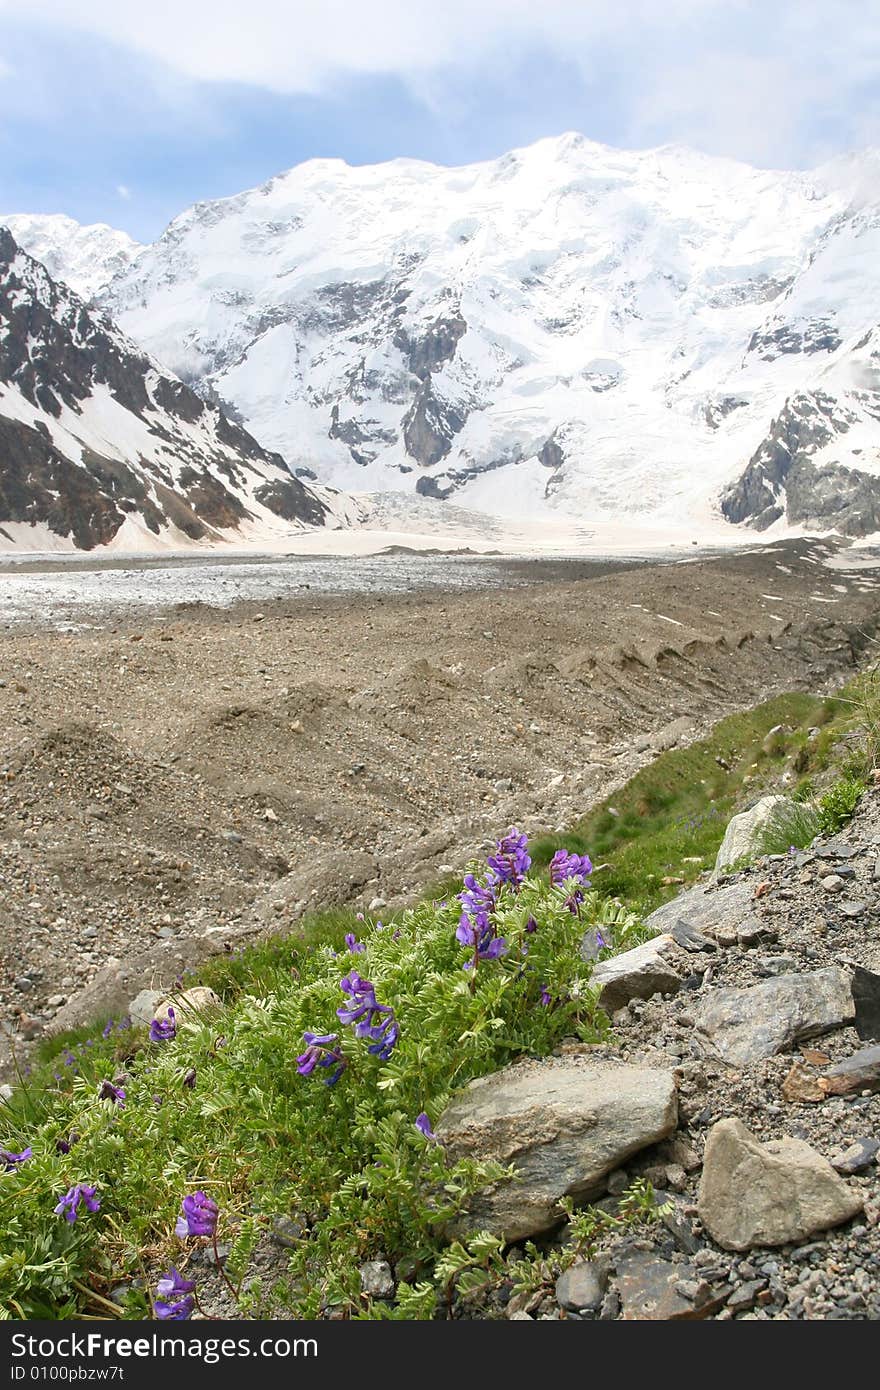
(142, 1008)
(743, 1298)
(742, 838)
(377, 1279)
(655, 1290)
(563, 1124)
(743, 1025)
(582, 1287)
(686, 936)
(768, 1194)
(637, 974)
(705, 911)
(860, 1072)
(852, 907)
(859, 1155)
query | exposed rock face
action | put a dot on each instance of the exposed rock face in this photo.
(743, 1025)
(720, 910)
(785, 477)
(430, 425)
(768, 1194)
(92, 434)
(563, 1124)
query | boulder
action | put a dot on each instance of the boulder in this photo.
(563, 1124)
(768, 1194)
(705, 910)
(142, 1009)
(189, 1004)
(744, 1025)
(637, 974)
(742, 838)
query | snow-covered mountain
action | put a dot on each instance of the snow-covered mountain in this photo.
(99, 445)
(85, 258)
(655, 337)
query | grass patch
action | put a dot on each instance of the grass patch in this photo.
(668, 821)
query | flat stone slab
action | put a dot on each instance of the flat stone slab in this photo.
(563, 1123)
(637, 974)
(656, 1290)
(743, 1025)
(768, 1194)
(860, 1072)
(703, 911)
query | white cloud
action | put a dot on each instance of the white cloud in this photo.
(745, 75)
(124, 192)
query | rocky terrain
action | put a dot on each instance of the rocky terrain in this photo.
(171, 786)
(746, 1041)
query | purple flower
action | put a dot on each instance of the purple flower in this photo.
(478, 897)
(107, 1091)
(174, 1312)
(10, 1161)
(198, 1216)
(423, 1125)
(352, 943)
(546, 998)
(510, 863)
(564, 866)
(480, 935)
(321, 1053)
(108, 1028)
(68, 1207)
(174, 1283)
(189, 1079)
(531, 926)
(63, 1146)
(163, 1029)
(371, 1019)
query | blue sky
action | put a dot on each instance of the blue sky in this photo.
(127, 113)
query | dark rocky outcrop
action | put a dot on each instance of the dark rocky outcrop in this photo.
(782, 479)
(197, 467)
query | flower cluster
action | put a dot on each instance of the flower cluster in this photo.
(371, 1019)
(198, 1216)
(320, 1052)
(353, 945)
(69, 1205)
(511, 862)
(565, 868)
(164, 1029)
(173, 1286)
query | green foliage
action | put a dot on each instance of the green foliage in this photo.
(264, 1141)
(668, 821)
(836, 807)
(795, 824)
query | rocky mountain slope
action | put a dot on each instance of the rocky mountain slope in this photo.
(99, 445)
(570, 329)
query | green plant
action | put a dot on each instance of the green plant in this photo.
(224, 1107)
(837, 805)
